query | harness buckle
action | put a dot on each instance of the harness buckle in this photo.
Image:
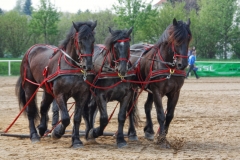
(171, 71)
(122, 77)
(84, 75)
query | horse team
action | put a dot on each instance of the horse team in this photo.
(95, 74)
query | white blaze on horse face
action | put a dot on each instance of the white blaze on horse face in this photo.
(122, 43)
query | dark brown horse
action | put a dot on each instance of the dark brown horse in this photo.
(61, 73)
(160, 68)
(111, 63)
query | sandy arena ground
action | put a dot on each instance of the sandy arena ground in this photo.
(206, 126)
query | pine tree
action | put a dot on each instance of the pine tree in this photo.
(27, 7)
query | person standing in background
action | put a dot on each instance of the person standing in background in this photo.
(191, 63)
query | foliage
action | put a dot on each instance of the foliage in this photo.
(15, 33)
(19, 6)
(133, 14)
(215, 34)
(214, 24)
(44, 21)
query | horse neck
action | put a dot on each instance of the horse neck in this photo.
(71, 51)
(164, 54)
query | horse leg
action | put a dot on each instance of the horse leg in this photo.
(45, 105)
(148, 129)
(55, 111)
(102, 107)
(161, 139)
(171, 104)
(133, 118)
(92, 106)
(59, 130)
(89, 113)
(32, 111)
(121, 119)
(79, 106)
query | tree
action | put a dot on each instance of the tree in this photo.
(215, 27)
(27, 9)
(14, 29)
(19, 6)
(44, 21)
(128, 13)
(1, 11)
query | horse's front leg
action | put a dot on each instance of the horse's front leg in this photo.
(45, 105)
(171, 104)
(161, 139)
(81, 101)
(148, 129)
(59, 130)
(92, 106)
(102, 107)
(121, 119)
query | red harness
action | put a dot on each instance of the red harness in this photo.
(59, 72)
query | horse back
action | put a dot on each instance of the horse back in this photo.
(98, 57)
(36, 60)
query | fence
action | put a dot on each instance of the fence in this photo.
(9, 66)
(218, 69)
(205, 68)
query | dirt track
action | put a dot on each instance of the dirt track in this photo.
(207, 120)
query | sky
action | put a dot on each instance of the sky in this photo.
(69, 5)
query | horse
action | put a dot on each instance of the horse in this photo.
(160, 68)
(112, 73)
(61, 73)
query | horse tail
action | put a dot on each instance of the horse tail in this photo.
(135, 111)
(20, 93)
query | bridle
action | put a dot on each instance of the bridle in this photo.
(78, 49)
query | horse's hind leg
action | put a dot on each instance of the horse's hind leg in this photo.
(45, 105)
(148, 129)
(32, 112)
(133, 117)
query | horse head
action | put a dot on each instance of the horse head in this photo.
(84, 42)
(120, 49)
(179, 39)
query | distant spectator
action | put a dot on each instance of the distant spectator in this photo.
(191, 63)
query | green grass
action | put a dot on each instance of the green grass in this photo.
(15, 67)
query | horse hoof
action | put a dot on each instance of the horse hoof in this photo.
(133, 138)
(42, 130)
(76, 146)
(122, 144)
(56, 132)
(149, 136)
(163, 142)
(90, 134)
(91, 141)
(35, 138)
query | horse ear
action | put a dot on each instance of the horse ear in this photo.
(94, 25)
(188, 22)
(75, 26)
(110, 30)
(175, 22)
(130, 31)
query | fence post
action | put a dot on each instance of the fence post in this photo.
(9, 68)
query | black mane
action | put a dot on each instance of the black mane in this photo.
(177, 34)
(116, 35)
(85, 30)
